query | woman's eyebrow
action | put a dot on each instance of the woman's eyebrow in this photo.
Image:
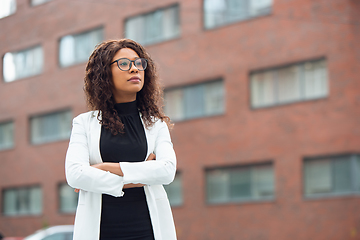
(132, 58)
(127, 58)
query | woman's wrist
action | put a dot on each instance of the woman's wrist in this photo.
(113, 168)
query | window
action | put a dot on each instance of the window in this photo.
(68, 199)
(6, 135)
(160, 25)
(22, 201)
(332, 176)
(174, 191)
(50, 127)
(7, 7)
(23, 64)
(222, 12)
(240, 183)
(293, 83)
(77, 48)
(38, 2)
(205, 99)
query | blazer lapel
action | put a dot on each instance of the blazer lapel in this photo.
(95, 130)
(149, 138)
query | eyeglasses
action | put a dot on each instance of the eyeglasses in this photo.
(125, 64)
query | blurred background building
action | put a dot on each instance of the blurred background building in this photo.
(265, 96)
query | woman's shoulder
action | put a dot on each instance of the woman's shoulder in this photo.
(159, 123)
(86, 116)
(155, 122)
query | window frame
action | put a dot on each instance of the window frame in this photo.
(48, 113)
(245, 200)
(194, 85)
(17, 189)
(26, 49)
(229, 23)
(82, 32)
(274, 70)
(354, 159)
(10, 121)
(147, 13)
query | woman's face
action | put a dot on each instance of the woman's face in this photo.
(126, 83)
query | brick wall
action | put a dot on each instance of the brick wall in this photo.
(295, 31)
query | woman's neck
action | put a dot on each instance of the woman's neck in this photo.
(124, 99)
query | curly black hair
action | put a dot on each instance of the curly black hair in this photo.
(98, 86)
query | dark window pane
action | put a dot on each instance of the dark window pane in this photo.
(217, 182)
(6, 135)
(263, 181)
(317, 176)
(194, 101)
(240, 183)
(342, 175)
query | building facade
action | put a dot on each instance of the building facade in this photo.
(264, 94)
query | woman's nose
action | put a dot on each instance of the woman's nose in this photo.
(133, 68)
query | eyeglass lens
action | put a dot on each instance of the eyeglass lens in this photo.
(124, 64)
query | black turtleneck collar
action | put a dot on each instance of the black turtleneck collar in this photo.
(126, 108)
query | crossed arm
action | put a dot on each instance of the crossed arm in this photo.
(116, 169)
(111, 178)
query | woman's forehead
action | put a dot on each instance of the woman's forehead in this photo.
(126, 53)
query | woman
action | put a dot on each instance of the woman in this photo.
(111, 155)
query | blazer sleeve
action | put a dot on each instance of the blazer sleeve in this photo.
(160, 171)
(79, 173)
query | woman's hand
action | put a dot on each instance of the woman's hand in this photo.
(151, 157)
(115, 169)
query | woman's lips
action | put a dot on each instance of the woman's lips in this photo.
(134, 79)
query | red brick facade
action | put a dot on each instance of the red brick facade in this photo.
(295, 31)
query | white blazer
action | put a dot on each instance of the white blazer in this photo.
(83, 151)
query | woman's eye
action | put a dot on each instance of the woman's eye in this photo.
(123, 63)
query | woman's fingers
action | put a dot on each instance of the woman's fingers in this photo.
(151, 157)
(132, 185)
(77, 190)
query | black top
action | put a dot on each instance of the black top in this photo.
(125, 217)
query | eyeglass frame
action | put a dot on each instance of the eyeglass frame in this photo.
(130, 65)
